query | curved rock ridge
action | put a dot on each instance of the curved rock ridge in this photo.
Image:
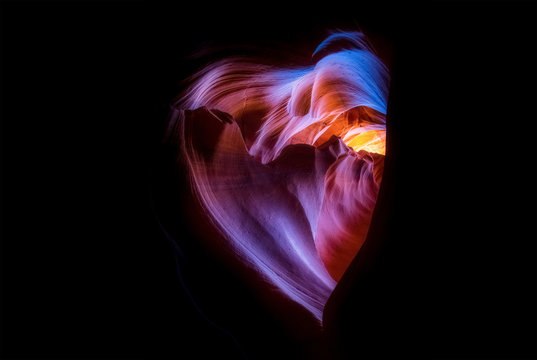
(344, 94)
(298, 220)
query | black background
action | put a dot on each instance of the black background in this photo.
(87, 271)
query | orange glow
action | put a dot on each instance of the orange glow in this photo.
(360, 128)
(372, 141)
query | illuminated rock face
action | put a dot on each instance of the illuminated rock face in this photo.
(287, 163)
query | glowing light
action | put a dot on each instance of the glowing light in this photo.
(372, 141)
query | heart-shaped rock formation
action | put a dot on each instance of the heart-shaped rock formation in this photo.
(287, 163)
